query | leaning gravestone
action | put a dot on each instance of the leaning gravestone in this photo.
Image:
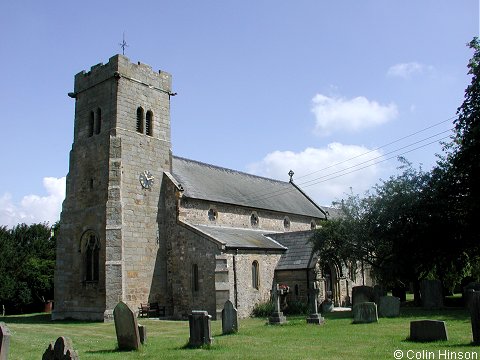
(62, 350)
(361, 294)
(389, 306)
(428, 330)
(277, 317)
(229, 318)
(475, 316)
(365, 312)
(4, 341)
(126, 327)
(314, 317)
(431, 293)
(200, 328)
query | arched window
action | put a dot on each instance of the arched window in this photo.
(98, 123)
(286, 223)
(91, 122)
(149, 123)
(90, 248)
(140, 120)
(255, 275)
(195, 282)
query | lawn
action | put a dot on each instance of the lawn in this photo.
(338, 338)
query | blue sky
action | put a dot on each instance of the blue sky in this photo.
(263, 86)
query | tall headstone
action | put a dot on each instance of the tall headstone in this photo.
(361, 294)
(365, 312)
(389, 306)
(428, 330)
(142, 332)
(62, 350)
(475, 316)
(277, 316)
(229, 318)
(468, 293)
(431, 293)
(4, 341)
(126, 327)
(378, 292)
(314, 317)
(200, 328)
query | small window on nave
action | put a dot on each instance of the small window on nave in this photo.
(195, 282)
(212, 214)
(286, 223)
(255, 275)
(254, 221)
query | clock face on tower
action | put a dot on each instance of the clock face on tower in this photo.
(146, 179)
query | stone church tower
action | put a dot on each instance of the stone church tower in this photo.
(110, 246)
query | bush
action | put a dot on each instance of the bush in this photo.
(263, 309)
(296, 307)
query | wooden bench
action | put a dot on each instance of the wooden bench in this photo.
(151, 310)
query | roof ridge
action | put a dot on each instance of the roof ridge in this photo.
(230, 170)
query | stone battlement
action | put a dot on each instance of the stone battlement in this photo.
(120, 66)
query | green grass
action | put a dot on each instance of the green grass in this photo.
(338, 338)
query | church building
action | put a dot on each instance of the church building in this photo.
(140, 225)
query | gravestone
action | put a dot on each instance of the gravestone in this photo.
(277, 317)
(4, 341)
(229, 318)
(142, 332)
(431, 293)
(200, 328)
(126, 327)
(428, 330)
(389, 306)
(468, 293)
(62, 350)
(314, 317)
(365, 312)
(475, 316)
(361, 294)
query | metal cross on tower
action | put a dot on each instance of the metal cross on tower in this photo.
(123, 44)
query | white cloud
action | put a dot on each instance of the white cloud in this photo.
(406, 70)
(340, 114)
(336, 164)
(34, 208)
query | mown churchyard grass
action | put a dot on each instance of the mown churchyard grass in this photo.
(338, 338)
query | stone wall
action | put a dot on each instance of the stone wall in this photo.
(195, 211)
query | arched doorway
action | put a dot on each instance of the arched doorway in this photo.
(331, 276)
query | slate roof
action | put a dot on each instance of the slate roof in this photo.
(238, 238)
(299, 253)
(213, 183)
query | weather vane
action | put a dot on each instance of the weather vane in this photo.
(123, 44)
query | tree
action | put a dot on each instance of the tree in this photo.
(27, 263)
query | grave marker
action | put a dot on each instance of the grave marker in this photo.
(389, 306)
(126, 327)
(314, 317)
(475, 316)
(431, 293)
(428, 330)
(229, 318)
(62, 350)
(365, 312)
(277, 316)
(361, 294)
(4, 341)
(200, 328)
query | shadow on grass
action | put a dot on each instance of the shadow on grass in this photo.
(39, 318)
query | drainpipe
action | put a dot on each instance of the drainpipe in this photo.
(235, 290)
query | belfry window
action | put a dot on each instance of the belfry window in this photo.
(255, 275)
(139, 120)
(149, 123)
(90, 249)
(98, 122)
